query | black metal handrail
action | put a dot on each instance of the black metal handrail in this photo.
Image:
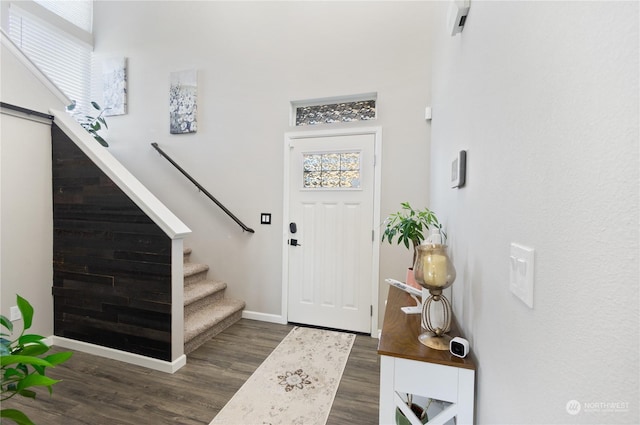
(202, 189)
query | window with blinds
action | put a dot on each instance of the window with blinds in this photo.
(79, 13)
(56, 36)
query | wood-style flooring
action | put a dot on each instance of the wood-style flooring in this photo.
(102, 391)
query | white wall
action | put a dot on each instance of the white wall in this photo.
(26, 214)
(252, 60)
(26, 220)
(544, 97)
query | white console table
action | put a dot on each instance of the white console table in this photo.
(407, 366)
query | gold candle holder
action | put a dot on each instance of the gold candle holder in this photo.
(434, 271)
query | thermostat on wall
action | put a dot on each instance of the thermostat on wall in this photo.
(457, 15)
(459, 170)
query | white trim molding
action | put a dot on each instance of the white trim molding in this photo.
(123, 356)
(177, 298)
(264, 317)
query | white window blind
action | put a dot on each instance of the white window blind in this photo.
(78, 12)
(65, 59)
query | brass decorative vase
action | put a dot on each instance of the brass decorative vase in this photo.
(434, 271)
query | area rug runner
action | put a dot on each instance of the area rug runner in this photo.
(296, 384)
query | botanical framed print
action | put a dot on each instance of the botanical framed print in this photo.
(183, 96)
(114, 80)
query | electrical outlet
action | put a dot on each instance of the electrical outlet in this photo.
(14, 312)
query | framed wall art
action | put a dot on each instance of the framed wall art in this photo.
(183, 96)
(114, 81)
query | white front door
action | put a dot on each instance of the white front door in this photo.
(330, 233)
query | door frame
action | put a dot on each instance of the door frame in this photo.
(377, 167)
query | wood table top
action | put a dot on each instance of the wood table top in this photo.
(400, 332)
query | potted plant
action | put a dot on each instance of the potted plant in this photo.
(410, 227)
(22, 366)
(90, 123)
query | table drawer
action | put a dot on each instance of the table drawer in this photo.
(426, 379)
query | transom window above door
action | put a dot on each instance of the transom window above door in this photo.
(334, 110)
(331, 170)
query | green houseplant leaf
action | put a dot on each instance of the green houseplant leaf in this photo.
(33, 350)
(4, 321)
(21, 365)
(27, 393)
(58, 358)
(16, 416)
(90, 123)
(25, 360)
(101, 140)
(27, 312)
(31, 339)
(409, 226)
(36, 380)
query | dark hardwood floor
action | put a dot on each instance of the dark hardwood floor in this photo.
(102, 391)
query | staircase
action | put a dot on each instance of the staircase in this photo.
(206, 311)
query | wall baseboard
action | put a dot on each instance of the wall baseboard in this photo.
(123, 356)
(264, 317)
(275, 318)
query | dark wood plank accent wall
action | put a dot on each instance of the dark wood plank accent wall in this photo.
(111, 262)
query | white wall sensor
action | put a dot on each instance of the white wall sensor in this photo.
(457, 16)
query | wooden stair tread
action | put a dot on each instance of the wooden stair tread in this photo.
(199, 290)
(202, 320)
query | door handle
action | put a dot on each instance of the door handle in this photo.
(294, 242)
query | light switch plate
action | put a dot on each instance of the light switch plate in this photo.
(459, 170)
(521, 267)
